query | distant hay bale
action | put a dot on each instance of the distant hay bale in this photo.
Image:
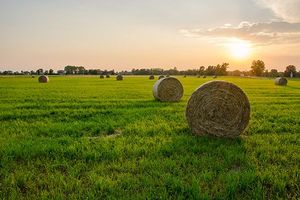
(198, 76)
(215, 76)
(168, 89)
(281, 81)
(107, 76)
(43, 79)
(161, 76)
(218, 108)
(101, 76)
(151, 77)
(32, 76)
(204, 76)
(119, 77)
(184, 76)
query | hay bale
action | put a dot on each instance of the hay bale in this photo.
(184, 76)
(160, 77)
(32, 76)
(215, 76)
(281, 81)
(101, 76)
(151, 77)
(204, 76)
(107, 76)
(168, 89)
(43, 79)
(218, 108)
(119, 77)
(198, 76)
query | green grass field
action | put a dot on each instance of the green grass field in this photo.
(91, 138)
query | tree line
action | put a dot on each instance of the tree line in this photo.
(257, 69)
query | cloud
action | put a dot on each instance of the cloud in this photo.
(257, 33)
(288, 10)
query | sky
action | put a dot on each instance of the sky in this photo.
(126, 34)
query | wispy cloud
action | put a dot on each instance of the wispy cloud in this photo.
(257, 33)
(287, 10)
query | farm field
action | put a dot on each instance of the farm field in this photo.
(85, 137)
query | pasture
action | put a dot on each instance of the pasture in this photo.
(86, 137)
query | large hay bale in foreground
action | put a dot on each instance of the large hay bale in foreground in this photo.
(168, 89)
(218, 108)
(281, 81)
(151, 77)
(102, 76)
(43, 79)
(160, 77)
(119, 77)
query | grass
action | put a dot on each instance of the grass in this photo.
(91, 138)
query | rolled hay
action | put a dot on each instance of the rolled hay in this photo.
(184, 76)
(119, 77)
(204, 76)
(32, 76)
(151, 77)
(281, 81)
(218, 108)
(43, 79)
(160, 77)
(168, 89)
(107, 76)
(101, 76)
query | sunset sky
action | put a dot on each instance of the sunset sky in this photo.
(126, 34)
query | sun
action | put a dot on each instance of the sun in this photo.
(239, 49)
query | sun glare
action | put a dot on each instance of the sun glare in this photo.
(239, 49)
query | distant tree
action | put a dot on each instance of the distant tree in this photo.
(210, 70)
(258, 67)
(290, 69)
(39, 71)
(274, 73)
(221, 70)
(201, 70)
(51, 72)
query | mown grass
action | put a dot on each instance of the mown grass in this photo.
(91, 138)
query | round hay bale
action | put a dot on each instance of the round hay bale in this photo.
(32, 76)
(215, 76)
(281, 81)
(204, 76)
(168, 89)
(218, 108)
(101, 76)
(198, 76)
(160, 77)
(151, 77)
(43, 79)
(119, 77)
(184, 76)
(107, 76)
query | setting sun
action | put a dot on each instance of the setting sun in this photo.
(239, 49)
